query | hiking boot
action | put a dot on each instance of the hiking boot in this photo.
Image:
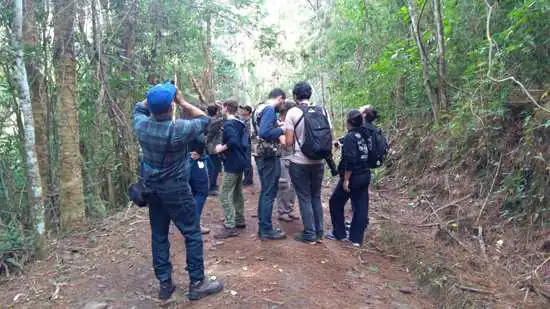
(167, 288)
(205, 230)
(226, 233)
(275, 234)
(300, 237)
(204, 288)
(285, 218)
(293, 216)
(240, 226)
(213, 193)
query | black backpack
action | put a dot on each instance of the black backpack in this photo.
(213, 134)
(317, 141)
(378, 146)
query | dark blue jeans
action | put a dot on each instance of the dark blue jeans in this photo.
(216, 163)
(269, 170)
(198, 180)
(307, 181)
(176, 204)
(360, 205)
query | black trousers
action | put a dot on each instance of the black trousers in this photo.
(359, 196)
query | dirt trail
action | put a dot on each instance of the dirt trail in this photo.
(112, 264)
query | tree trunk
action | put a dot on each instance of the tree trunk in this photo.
(426, 72)
(38, 91)
(72, 195)
(441, 63)
(36, 201)
(208, 76)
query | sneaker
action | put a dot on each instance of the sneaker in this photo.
(213, 193)
(240, 226)
(167, 288)
(331, 236)
(285, 218)
(275, 234)
(300, 237)
(347, 225)
(204, 288)
(226, 233)
(205, 230)
(293, 216)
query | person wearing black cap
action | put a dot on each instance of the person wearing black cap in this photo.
(354, 181)
(164, 171)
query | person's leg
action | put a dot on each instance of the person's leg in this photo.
(317, 173)
(238, 202)
(302, 184)
(216, 169)
(248, 177)
(284, 197)
(337, 201)
(269, 170)
(226, 199)
(159, 220)
(360, 220)
(179, 203)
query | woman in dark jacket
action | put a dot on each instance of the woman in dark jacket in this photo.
(354, 182)
(198, 174)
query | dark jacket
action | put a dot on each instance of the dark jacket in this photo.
(269, 131)
(355, 154)
(237, 156)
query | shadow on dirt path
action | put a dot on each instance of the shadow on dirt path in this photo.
(111, 264)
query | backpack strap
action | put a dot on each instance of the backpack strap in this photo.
(254, 124)
(304, 108)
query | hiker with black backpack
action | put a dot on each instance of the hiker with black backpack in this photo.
(246, 115)
(354, 170)
(309, 131)
(235, 148)
(268, 161)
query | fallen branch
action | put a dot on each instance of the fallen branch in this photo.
(490, 64)
(197, 89)
(490, 190)
(453, 203)
(474, 290)
(540, 266)
(451, 234)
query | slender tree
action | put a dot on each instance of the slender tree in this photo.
(37, 88)
(423, 57)
(36, 201)
(71, 193)
(441, 63)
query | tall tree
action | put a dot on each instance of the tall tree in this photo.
(72, 195)
(208, 75)
(423, 57)
(36, 201)
(441, 63)
(37, 88)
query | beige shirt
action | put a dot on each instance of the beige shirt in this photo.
(292, 117)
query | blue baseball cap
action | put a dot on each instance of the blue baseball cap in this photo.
(160, 97)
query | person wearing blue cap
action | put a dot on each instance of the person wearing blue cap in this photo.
(164, 170)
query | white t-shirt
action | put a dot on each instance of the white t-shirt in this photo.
(292, 117)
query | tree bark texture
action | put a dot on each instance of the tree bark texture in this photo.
(208, 76)
(71, 193)
(36, 201)
(38, 90)
(441, 63)
(423, 57)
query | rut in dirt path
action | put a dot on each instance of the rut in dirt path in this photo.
(112, 265)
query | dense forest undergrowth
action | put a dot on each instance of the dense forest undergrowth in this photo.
(462, 88)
